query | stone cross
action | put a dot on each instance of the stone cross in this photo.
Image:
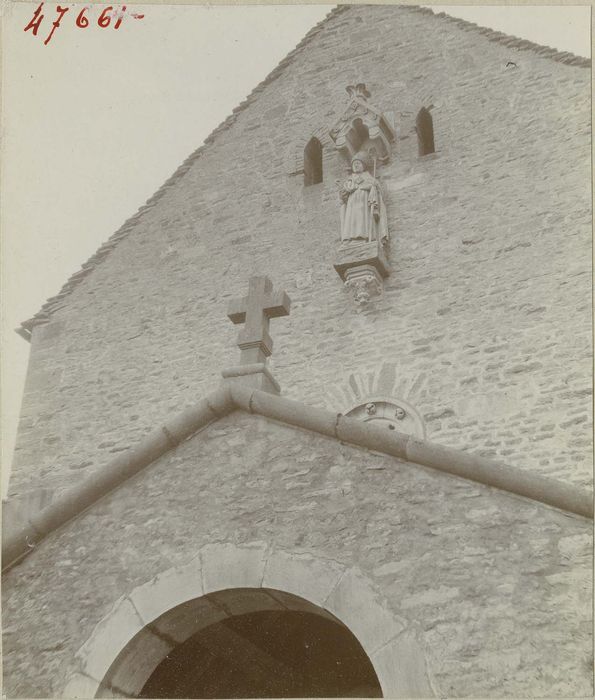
(255, 311)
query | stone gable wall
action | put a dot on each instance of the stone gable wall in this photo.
(497, 588)
(486, 316)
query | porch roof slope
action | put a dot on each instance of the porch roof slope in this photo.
(21, 538)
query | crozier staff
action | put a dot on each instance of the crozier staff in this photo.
(363, 213)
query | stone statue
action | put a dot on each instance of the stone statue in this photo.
(363, 212)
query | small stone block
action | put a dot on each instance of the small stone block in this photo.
(109, 637)
(80, 686)
(255, 376)
(227, 566)
(241, 601)
(187, 619)
(401, 665)
(137, 662)
(171, 588)
(350, 255)
(356, 604)
(302, 575)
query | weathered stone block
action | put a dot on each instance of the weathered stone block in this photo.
(171, 588)
(402, 661)
(185, 620)
(134, 665)
(302, 575)
(253, 376)
(115, 632)
(351, 601)
(353, 255)
(224, 566)
(80, 686)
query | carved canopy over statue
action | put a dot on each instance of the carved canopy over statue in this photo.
(363, 212)
(361, 122)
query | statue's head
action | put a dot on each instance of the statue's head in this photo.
(357, 165)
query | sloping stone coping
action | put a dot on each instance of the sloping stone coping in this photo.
(134, 637)
(20, 539)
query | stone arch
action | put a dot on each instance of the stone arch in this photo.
(390, 643)
(255, 641)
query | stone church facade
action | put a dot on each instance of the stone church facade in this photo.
(396, 502)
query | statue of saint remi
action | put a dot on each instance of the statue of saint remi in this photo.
(363, 212)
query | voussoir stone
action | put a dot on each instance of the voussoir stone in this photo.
(109, 637)
(303, 575)
(358, 605)
(170, 588)
(230, 566)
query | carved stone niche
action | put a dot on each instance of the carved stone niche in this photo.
(362, 267)
(362, 127)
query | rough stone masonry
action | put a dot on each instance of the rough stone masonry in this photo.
(483, 327)
(486, 313)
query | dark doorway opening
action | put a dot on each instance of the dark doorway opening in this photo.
(266, 654)
(242, 643)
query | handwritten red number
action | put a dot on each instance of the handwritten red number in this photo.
(120, 17)
(35, 21)
(81, 20)
(56, 23)
(105, 17)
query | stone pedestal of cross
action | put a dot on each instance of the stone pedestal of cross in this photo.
(254, 341)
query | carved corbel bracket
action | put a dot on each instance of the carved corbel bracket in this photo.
(362, 267)
(362, 127)
(365, 282)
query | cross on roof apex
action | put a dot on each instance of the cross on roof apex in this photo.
(255, 310)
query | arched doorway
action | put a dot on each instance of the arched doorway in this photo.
(244, 643)
(225, 580)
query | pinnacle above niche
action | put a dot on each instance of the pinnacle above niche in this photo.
(360, 90)
(362, 127)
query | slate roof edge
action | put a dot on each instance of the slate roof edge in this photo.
(509, 40)
(56, 302)
(20, 539)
